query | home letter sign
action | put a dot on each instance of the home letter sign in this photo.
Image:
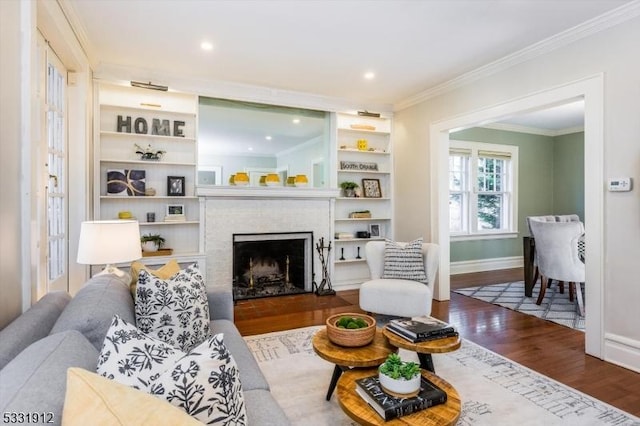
(159, 127)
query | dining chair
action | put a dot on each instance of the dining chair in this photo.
(557, 256)
(398, 296)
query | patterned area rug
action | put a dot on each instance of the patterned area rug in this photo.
(555, 306)
(494, 390)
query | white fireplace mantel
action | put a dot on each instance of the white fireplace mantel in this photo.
(267, 192)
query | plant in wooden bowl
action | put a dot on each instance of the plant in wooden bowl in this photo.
(399, 378)
(350, 329)
(151, 242)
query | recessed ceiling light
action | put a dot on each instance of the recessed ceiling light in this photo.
(268, 138)
(205, 45)
(296, 121)
(369, 75)
(250, 148)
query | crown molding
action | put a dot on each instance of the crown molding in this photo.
(79, 30)
(532, 130)
(600, 23)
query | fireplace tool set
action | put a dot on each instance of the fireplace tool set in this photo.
(324, 288)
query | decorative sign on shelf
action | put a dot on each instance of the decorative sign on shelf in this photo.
(158, 127)
(356, 165)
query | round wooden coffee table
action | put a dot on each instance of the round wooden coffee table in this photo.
(371, 355)
(356, 408)
(424, 349)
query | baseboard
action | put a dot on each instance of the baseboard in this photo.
(622, 351)
(482, 265)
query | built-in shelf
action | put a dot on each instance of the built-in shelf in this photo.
(340, 262)
(360, 219)
(146, 163)
(355, 240)
(142, 136)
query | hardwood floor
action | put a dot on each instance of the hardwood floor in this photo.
(550, 349)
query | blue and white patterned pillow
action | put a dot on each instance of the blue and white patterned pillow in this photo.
(206, 384)
(132, 358)
(404, 261)
(175, 311)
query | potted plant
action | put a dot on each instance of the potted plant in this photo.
(399, 377)
(151, 242)
(349, 188)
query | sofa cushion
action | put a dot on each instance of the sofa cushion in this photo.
(404, 261)
(32, 325)
(263, 410)
(95, 400)
(35, 380)
(165, 272)
(175, 310)
(250, 374)
(205, 384)
(132, 358)
(91, 310)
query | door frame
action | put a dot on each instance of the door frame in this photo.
(591, 89)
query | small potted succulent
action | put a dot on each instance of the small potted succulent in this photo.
(397, 377)
(349, 188)
(151, 242)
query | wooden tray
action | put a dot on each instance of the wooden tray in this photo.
(160, 252)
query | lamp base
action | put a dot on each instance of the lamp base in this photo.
(113, 270)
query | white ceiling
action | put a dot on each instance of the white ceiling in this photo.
(322, 47)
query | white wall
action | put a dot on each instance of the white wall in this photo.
(613, 52)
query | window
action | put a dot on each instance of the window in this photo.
(483, 182)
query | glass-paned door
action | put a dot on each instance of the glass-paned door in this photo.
(56, 179)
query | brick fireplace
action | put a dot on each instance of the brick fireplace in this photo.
(230, 215)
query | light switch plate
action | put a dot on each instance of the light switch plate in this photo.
(620, 184)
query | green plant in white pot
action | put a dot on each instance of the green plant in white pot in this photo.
(398, 377)
(349, 188)
(151, 242)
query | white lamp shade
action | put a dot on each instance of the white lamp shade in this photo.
(109, 241)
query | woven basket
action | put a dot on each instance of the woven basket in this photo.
(351, 337)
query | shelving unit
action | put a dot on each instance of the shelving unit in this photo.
(165, 121)
(353, 164)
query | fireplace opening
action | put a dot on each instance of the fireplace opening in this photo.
(272, 264)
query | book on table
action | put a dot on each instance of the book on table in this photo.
(414, 339)
(421, 328)
(390, 407)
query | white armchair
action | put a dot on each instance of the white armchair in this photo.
(557, 256)
(398, 297)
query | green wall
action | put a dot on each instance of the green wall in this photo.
(542, 159)
(568, 174)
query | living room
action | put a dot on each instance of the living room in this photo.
(600, 58)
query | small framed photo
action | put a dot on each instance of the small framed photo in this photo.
(175, 186)
(175, 210)
(371, 188)
(209, 175)
(375, 230)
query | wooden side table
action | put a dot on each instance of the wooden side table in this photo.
(358, 409)
(424, 349)
(371, 355)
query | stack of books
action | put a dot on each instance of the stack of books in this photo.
(175, 218)
(421, 329)
(390, 407)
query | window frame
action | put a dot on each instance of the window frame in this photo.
(470, 191)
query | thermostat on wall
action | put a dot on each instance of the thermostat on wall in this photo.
(620, 184)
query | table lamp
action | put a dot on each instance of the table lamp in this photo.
(106, 242)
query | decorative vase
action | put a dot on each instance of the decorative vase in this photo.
(263, 180)
(241, 178)
(291, 181)
(232, 180)
(400, 387)
(362, 144)
(301, 180)
(272, 179)
(349, 192)
(149, 246)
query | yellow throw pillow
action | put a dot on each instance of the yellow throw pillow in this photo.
(95, 400)
(165, 272)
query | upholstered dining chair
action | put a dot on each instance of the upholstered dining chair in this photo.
(557, 254)
(400, 297)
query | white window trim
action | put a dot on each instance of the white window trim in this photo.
(512, 232)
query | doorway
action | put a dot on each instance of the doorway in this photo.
(591, 89)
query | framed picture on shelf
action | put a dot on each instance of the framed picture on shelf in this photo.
(175, 186)
(126, 182)
(371, 188)
(375, 230)
(175, 210)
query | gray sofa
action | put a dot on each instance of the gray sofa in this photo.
(60, 332)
